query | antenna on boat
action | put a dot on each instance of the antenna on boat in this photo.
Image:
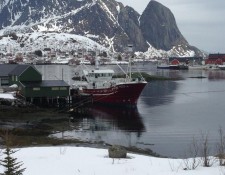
(130, 50)
(62, 73)
(97, 63)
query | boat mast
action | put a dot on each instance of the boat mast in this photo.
(130, 67)
(130, 50)
(97, 63)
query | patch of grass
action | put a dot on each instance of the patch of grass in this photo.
(24, 141)
(29, 137)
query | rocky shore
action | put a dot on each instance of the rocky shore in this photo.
(32, 126)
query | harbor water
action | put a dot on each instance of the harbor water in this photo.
(168, 116)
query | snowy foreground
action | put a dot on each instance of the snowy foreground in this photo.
(7, 96)
(91, 161)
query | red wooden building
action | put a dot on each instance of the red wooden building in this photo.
(185, 60)
(217, 59)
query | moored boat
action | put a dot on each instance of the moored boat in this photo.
(221, 67)
(100, 84)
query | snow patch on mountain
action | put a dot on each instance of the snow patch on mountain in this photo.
(49, 19)
(108, 12)
(118, 8)
(3, 3)
(174, 52)
(30, 42)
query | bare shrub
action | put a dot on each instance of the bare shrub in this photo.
(207, 160)
(192, 160)
(221, 147)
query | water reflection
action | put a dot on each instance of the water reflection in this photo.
(169, 113)
(102, 118)
(119, 118)
(216, 75)
(159, 92)
(176, 74)
(108, 125)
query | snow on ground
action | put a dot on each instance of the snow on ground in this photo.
(92, 161)
(7, 96)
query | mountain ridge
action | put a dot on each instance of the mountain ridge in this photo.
(107, 22)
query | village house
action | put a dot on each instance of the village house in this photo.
(215, 59)
(31, 87)
(186, 60)
(5, 69)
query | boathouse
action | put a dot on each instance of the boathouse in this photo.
(31, 86)
(186, 60)
(217, 59)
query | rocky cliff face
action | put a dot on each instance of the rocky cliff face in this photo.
(106, 21)
(129, 21)
(159, 27)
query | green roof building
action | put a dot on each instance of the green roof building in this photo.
(30, 83)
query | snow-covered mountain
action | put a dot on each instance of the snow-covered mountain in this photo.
(106, 22)
(30, 42)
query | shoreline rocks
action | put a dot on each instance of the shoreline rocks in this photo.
(117, 151)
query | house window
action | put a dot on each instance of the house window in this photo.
(4, 81)
(36, 89)
(55, 88)
(16, 78)
(63, 88)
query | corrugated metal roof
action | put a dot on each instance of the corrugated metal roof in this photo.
(46, 83)
(5, 69)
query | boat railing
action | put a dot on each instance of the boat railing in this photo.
(120, 80)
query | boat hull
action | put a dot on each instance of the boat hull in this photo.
(125, 94)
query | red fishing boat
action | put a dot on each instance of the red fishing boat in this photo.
(100, 84)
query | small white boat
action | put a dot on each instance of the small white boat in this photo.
(86, 62)
(221, 67)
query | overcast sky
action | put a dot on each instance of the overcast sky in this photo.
(202, 22)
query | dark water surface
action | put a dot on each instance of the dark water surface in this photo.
(168, 115)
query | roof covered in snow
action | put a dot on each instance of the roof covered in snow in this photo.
(6, 96)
